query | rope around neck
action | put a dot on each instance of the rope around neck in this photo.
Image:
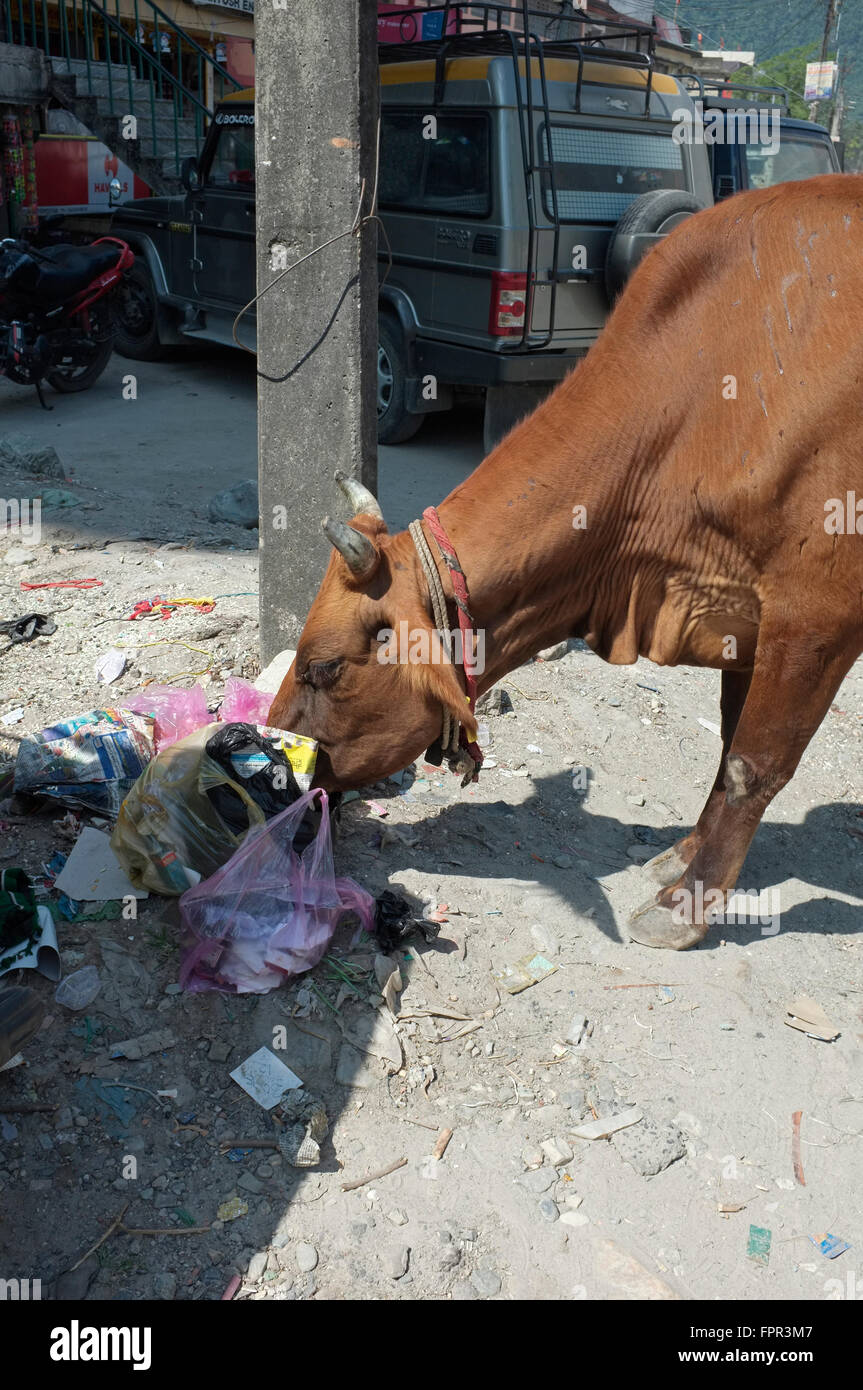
(449, 737)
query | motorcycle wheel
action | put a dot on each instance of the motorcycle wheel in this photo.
(80, 376)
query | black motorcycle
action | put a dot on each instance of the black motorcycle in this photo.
(57, 319)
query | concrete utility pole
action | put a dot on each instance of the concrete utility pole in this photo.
(316, 115)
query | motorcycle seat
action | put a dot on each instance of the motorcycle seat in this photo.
(70, 270)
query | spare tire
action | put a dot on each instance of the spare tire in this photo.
(650, 215)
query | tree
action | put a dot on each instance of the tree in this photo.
(786, 70)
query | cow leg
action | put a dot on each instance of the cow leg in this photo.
(667, 867)
(791, 690)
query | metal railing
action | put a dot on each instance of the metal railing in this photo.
(146, 58)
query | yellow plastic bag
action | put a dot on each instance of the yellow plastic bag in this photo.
(167, 824)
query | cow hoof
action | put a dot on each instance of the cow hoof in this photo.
(666, 868)
(653, 925)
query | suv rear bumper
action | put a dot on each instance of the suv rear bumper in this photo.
(454, 365)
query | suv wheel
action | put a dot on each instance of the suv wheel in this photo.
(395, 423)
(659, 211)
(136, 309)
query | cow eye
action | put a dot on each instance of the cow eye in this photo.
(320, 675)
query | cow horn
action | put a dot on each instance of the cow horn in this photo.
(357, 551)
(359, 497)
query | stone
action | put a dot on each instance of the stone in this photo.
(538, 1180)
(398, 1217)
(165, 1285)
(574, 1218)
(557, 1151)
(650, 1147)
(626, 1276)
(563, 861)
(635, 800)
(237, 505)
(576, 1101)
(73, 1285)
(219, 1051)
(397, 1261)
(26, 455)
(554, 653)
(464, 1291)
(450, 1257)
(20, 555)
(531, 1157)
(250, 1183)
(573, 1200)
(639, 854)
(307, 1257)
(548, 1210)
(486, 1282)
(545, 939)
(257, 1265)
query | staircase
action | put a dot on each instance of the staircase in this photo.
(106, 69)
(164, 137)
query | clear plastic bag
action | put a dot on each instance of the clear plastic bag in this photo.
(269, 913)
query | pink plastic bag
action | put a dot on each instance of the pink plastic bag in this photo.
(177, 712)
(181, 712)
(269, 913)
(242, 703)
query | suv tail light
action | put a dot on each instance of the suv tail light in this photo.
(508, 303)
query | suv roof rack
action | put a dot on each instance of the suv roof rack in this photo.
(489, 27)
(715, 92)
(481, 28)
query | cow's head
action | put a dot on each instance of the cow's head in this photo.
(371, 714)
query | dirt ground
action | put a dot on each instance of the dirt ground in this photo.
(591, 771)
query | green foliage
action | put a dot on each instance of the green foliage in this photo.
(786, 70)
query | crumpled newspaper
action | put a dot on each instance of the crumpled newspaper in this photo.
(305, 1129)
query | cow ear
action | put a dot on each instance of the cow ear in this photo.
(438, 678)
(443, 683)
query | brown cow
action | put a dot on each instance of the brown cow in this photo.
(714, 437)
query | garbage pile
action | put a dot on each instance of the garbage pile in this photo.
(216, 810)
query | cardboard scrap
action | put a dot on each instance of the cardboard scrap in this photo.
(830, 1245)
(265, 1078)
(808, 1017)
(93, 873)
(144, 1045)
(523, 973)
(758, 1247)
(600, 1129)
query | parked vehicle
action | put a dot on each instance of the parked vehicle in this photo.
(56, 311)
(755, 142)
(512, 223)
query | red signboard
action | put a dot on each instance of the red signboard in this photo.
(73, 174)
(408, 23)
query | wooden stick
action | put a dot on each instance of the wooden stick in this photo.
(795, 1147)
(23, 1108)
(441, 1145)
(165, 1231)
(373, 1177)
(118, 1220)
(248, 1143)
